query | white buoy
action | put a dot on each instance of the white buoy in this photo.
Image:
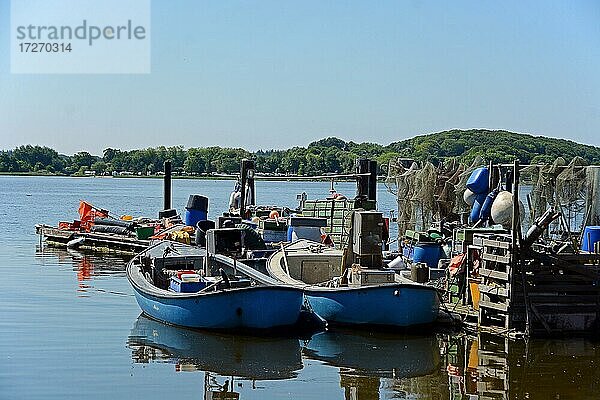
(469, 197)
(75, 243)
(502, 209)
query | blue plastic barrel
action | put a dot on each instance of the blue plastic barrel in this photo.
(193, 216)
(428, 253)
(478, 182)
(591, 235)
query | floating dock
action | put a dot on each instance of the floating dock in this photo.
(545, 282)
(95, 241)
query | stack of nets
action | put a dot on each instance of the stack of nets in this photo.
(424, 195)
(560, 185)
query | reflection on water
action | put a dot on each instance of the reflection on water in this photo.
(87, 265)
(374, 364)
(368, 365)
(225, 358)
(365, 365)
(257, 358)
(493, 368)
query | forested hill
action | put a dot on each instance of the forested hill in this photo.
(499, 146)
(328, 155)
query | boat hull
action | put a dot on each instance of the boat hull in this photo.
(252, 307)
(397, 305)
(248, 308)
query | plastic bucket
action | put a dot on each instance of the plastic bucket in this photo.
(144, 232)
(428, 253)
(193, 216)
(201, 228)
(591, 235)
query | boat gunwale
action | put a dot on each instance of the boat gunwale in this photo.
(134, 275)
(307, 287)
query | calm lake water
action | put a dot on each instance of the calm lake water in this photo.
(70, 326)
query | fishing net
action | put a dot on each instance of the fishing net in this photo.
(405, 190)
(592, 216)
(423, 198)
(543, 179)
(562, 186)
(428, 194)
(424, 194)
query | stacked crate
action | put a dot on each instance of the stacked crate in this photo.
(273, 230)
(338, 213)
(463, 237)
(497, 310)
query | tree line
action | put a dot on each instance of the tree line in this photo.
(330, 155)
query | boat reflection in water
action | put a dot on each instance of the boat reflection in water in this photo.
(254, 358)
(375, 364)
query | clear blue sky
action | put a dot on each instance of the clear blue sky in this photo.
(274, 74)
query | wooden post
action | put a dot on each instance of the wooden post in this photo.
(515, 252)
(516, 218)
(362, 187)
(494, 176)
(248, 195)
(491, 176)
(372, 195)
(167, 186)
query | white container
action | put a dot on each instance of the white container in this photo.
(190, 278)
(306, 232)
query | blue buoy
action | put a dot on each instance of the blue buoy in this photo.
(478, 182)
(476, 210)
(486, 207)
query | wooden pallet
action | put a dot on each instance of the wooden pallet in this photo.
(496, 313)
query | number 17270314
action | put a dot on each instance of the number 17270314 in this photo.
(44, 47)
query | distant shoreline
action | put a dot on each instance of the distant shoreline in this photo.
(274, 178)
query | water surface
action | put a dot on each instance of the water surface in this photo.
(70, 326)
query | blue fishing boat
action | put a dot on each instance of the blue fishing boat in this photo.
(353, 296)
(172, 284)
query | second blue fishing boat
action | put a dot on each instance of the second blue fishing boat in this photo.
(385, 300)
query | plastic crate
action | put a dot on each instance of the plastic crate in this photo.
(177, 285)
